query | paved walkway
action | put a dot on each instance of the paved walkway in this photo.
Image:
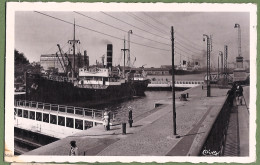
(152, 134)
(243, 124)
(237, 139)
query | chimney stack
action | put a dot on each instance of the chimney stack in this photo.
(86, 59)
(109, 55)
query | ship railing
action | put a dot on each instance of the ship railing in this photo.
(57, 78)
(93, 113)
(179, 82)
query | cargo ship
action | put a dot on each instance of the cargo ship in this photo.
(92, 86)
(82, 85)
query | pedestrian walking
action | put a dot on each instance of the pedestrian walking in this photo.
(130, 116)
(231, 95)
(130, 113)
(73, 149)
(239, 94)
(109, 117)
(105, 120)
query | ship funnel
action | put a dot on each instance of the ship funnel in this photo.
(86, 60)
(109, 55)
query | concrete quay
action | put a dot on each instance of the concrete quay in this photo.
(237, 139)
(152, 132)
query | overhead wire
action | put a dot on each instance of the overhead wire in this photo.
(156, 20)
(167, 27)
(113, 36)
(120, 29)
(133, 33)
(187, 41)
(100, 32)
(135, 26)
(180, 42)
(146, 23)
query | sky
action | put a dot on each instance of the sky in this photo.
(37, 34)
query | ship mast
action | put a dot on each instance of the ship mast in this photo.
(124, 57)
(73, 42)
(73, 72)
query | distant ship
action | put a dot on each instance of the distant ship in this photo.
(188, 69)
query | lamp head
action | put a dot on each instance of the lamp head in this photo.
(204, 35)
(236, 25)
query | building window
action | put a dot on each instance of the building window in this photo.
(79, 124)
(25, 114)
(46, 118)
(53, 119)
(88, 124)
(20, 112)
(61, 120)
(38, 116)
(69, 122)
(32, 115)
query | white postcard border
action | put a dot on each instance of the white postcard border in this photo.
(162, 7)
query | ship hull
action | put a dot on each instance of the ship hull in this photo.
(140, 87)
(186, 72)
(50, 91)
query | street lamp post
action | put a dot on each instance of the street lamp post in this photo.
(239, 58)
(208, 63)
(221, 60)
(128, 56)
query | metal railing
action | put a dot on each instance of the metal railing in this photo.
(94, 113)
(217, 136)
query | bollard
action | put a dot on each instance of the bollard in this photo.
(187, 95)
(123, 128)
(183, 97)
(130, 122)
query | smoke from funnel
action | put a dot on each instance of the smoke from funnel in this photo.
(106, 41)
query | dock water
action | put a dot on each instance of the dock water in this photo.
(152, 132)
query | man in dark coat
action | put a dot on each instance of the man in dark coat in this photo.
(239, 94)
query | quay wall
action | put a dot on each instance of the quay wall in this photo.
(215, 128)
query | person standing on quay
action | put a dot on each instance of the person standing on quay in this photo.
(239, 94)
(73, 149)
(106, 120)
(130, 116)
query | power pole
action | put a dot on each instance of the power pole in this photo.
(218, 67)
(173, 84)
(208, 62)
(124, 57)
(225, 64)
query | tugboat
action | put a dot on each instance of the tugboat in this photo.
(140, 83)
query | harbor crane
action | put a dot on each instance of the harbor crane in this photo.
(66, 66)
(239, 73)
(143, 65)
